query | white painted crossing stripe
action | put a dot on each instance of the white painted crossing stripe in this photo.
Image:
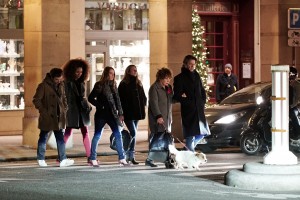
(205, 169)
(5, 180)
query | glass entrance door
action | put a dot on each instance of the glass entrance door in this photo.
(217, 43)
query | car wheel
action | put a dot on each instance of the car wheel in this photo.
(205, 148)
(250, 144)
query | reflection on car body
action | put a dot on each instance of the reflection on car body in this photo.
(227, 119)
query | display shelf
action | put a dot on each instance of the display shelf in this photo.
(11, 74)
(10, 92)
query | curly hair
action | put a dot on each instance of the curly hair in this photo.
(126, 78)
(72, 65)
(163, 73)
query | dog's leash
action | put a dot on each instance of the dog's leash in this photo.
(183, 144)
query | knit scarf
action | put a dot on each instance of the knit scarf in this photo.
(112, 95)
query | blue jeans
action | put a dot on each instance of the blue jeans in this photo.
(99, 125)
(191, 142)
(61, 148)
(132, 126)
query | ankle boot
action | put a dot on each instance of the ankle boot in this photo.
(133, 161)
(150, 163)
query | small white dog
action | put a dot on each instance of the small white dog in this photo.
(189, 159)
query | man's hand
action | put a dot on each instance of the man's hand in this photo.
(160, 120)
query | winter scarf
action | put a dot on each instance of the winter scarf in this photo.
(112, 95)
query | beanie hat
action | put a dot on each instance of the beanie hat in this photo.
(228, 65)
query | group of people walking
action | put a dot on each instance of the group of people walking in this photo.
(62, 105)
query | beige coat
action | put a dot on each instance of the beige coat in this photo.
(49, 102)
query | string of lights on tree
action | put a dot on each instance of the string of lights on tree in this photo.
(200, 51)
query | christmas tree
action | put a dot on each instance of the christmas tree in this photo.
(199, 50)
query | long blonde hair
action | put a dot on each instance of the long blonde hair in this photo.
(127, 75)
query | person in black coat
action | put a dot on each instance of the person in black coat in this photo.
(226, 84)
(76, 73)
(189, 91)
(133, 100)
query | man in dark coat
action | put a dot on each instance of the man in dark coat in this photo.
(226, 84)
(50, 100)
(189, 91)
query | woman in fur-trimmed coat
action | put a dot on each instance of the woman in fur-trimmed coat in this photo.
(76, 73)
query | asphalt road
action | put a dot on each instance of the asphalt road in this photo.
(25, 180)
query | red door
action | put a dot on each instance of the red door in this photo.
(218, 49)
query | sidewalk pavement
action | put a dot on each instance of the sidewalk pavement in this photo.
(12, 149)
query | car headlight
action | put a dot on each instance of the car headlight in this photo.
(230, 118)
(259, 100)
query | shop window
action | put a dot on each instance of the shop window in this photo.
(11, 14)
(121, 53)
(11, 74)
(129, 15)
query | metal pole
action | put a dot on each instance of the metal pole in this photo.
(280, 154)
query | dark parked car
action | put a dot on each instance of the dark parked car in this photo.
(228, 119)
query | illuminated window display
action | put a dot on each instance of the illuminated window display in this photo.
(11, 74)
(11, 14)
(117, 36)
(119, 15)
(121, 54)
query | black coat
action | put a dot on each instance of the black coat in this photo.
(76, 116)
(133, 99)
(192, 106)
(225, 86)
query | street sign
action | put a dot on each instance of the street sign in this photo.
(294, 42)
(294, 18)
(294, 33)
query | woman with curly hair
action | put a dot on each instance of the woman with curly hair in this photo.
(133, 101)
(160, 106)
(76, 73)
(105, 98)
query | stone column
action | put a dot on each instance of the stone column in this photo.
(170, 34)
(47, 45)
(77, 29)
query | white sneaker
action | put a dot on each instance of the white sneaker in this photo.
(42, 163)
(203, 141)
(66, 163)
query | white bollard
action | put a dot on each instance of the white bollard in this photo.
(280, 154)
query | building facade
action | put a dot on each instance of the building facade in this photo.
(250, 34)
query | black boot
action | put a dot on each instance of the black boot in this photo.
(133, 161)
(150, 163)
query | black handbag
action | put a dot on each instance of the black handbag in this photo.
(85, 106)
(126, 139)
(159, 146)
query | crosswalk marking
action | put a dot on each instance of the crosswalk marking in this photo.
(205, 169)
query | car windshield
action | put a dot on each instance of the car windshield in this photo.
(247, 94)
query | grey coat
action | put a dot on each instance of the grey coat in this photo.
(52, 105)
(160, 105)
